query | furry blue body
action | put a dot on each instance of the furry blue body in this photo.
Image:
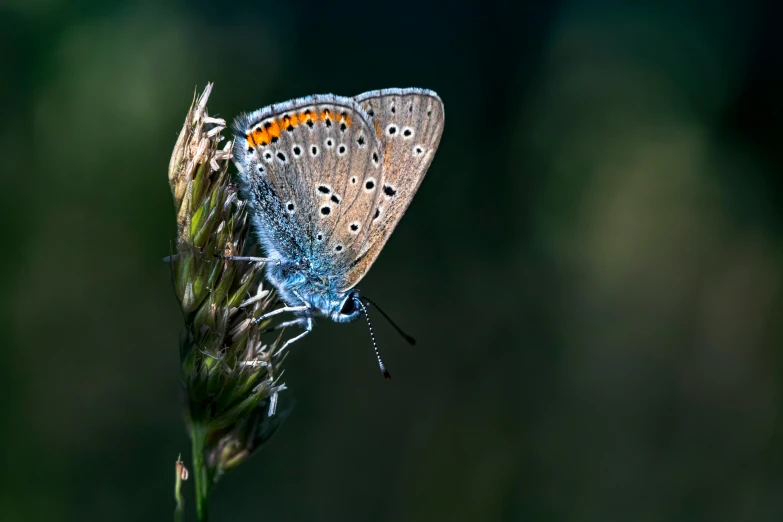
(301, 279)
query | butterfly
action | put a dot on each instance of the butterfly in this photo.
(327, 178)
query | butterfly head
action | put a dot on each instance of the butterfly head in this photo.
(346, 307)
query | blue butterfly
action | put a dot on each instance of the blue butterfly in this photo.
(327, 179)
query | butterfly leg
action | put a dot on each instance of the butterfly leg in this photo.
(294, 309)
(308, 328)
(286, 324)
(250, 258)
(282, 310)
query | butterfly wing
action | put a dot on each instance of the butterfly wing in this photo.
(409, 124)
(304, 165)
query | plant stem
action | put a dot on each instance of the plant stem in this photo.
(179, 510)
(200, 478)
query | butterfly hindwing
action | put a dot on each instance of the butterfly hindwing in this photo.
(409, 124)
(303, 164)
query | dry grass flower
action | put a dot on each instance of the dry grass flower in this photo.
(230, 376)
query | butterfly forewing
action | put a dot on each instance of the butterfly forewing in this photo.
(306, 162)
(409, 124)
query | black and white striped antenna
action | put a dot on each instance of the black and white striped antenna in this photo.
(385, 372)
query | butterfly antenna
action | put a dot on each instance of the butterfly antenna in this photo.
(385, 372)
(405, 336)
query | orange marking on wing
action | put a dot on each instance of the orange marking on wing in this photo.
(261, 137)
(294, 120)
(274, 130)
(345, 118)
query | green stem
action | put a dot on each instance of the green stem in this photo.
(178, 511)
(200, 477)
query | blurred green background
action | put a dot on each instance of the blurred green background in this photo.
(593, 266)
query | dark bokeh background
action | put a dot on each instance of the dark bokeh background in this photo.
(593, 266)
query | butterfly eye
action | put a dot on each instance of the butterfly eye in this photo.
(349, 306)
